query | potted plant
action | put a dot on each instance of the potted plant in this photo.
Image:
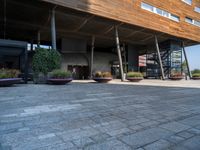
(44, 61)
(59, 77)
(134, 76)
(102, 77)
(196, 76)
(176, 76)
(9, 77)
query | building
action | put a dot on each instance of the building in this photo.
(106, 35)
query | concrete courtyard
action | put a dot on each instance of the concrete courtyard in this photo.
(91, 116)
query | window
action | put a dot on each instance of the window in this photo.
(174, 17)
(189, 2)
(147, 7)
(197, 9)
(197, 23)
(159, 12)
(188, 20)
(192, 21)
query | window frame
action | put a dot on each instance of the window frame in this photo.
(187, 2)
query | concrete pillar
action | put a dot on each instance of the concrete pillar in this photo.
(31, 45)
(119, 53)
(38, 39)
(160, 59)
(53, 30)
(92, 56)
(185, 55)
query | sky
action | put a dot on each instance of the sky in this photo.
(193, 54)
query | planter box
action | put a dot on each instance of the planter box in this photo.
(195, 78)
(176, 78)
(102, 80)
(9, 81)
(40, 78)
(134, 79)
(59, 81)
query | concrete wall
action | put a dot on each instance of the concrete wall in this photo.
(102, 61)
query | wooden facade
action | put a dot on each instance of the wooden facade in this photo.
(130, 12)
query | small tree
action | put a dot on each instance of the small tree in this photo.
(45, 60)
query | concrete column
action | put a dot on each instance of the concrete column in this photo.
(159, 57)
(53, 30)
(185, 55)
(92, 56)
(31, 45)
(119, 53)
(38, 39)
(26, 66)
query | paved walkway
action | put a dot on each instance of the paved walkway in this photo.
(92, 116)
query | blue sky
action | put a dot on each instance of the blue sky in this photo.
(193, 54)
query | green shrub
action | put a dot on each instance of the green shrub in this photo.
(100, 74)
(60, 74)
(45, 60)
(134, 75)
(9, 73)
(196, 71)
(196, 75)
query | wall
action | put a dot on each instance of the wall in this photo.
(102, 61)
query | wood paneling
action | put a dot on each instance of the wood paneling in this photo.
(129, 11)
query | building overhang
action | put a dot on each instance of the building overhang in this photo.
(23, 19)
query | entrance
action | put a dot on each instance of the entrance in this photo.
(79, 72)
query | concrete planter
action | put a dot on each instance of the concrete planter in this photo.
(59, 81)
(176, 78)
(40, 78)
(102, 80)
(9, 81)
(134, 79)
(195, 78)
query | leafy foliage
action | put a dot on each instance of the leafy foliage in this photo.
(9, 73)
(196, 71)
(196, 75)
(100, 74)
(60, 74)
(134, 75)
(46, 60)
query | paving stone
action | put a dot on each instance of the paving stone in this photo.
(137, 121)
(62, 146)
(149, 123)
(136, 127)
(118, 131)
(145, 137)
(158, 145)
(52, 117)
(175, 127)
(100, 137)
(185, 134)
(175, 139)
(108, 145)
(10, 126)
(192, 121)
(83, 142)
(190, 144)
(77, 134)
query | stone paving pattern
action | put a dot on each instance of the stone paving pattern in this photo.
(92, 116)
